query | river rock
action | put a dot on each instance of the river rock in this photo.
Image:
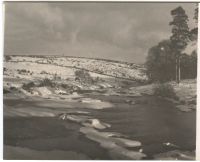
(184, 108)
(127, 143)
(95, 123)
(175, 155)
(116, 149)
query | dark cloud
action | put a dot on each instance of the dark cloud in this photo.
(121, 31)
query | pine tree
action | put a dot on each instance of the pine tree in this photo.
(180, 36)
(194, 31)
(196, 13)
(160, 62)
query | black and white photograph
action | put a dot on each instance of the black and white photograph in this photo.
(94, 80)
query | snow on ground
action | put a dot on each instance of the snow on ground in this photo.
(99, 68)
(185, 91)
(89, 100)
(39, 70)
(95, 123)
(44, 91)
(20, 70)
(27, 58)
(105, 67)
(116, 145)
(96, 104)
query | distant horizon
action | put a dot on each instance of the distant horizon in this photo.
(94, 58)
(112, 31)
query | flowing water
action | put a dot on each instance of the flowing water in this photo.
(151, 121)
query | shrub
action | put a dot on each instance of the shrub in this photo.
(46, 83)
(5, 91)
(23, 71)
(83, 76)
(56, 77)
(28, 86)
(43, 72)
(164, 90)
(13, 88)
(8, 58)
(66, 86)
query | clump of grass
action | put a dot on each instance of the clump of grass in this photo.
(43, 83)
(8, 58)
(47, 83)
(23, 71)
(164, 90)
(43, 72)
(5, 91)
(83, 76)
(69, 88)
(28, 86)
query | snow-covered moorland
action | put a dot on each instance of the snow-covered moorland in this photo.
(63, 72)
(64, 65)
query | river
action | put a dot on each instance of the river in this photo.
(150, 120)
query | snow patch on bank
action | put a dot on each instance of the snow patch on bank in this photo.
(116, 145)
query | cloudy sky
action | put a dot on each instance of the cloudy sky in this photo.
(119, 31)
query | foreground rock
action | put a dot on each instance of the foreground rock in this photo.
(115, 143)
(116, 146)
(95, 123)
(176, 155)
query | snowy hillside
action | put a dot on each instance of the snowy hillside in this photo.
(66, 66)
(50, 75)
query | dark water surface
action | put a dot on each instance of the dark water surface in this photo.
(151, 121)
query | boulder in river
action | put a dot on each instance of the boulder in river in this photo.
(95, 123)
(117, 147)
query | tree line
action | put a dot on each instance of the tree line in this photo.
(167, 60)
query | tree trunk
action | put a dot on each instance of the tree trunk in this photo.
(179, 69)
(176, 70)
